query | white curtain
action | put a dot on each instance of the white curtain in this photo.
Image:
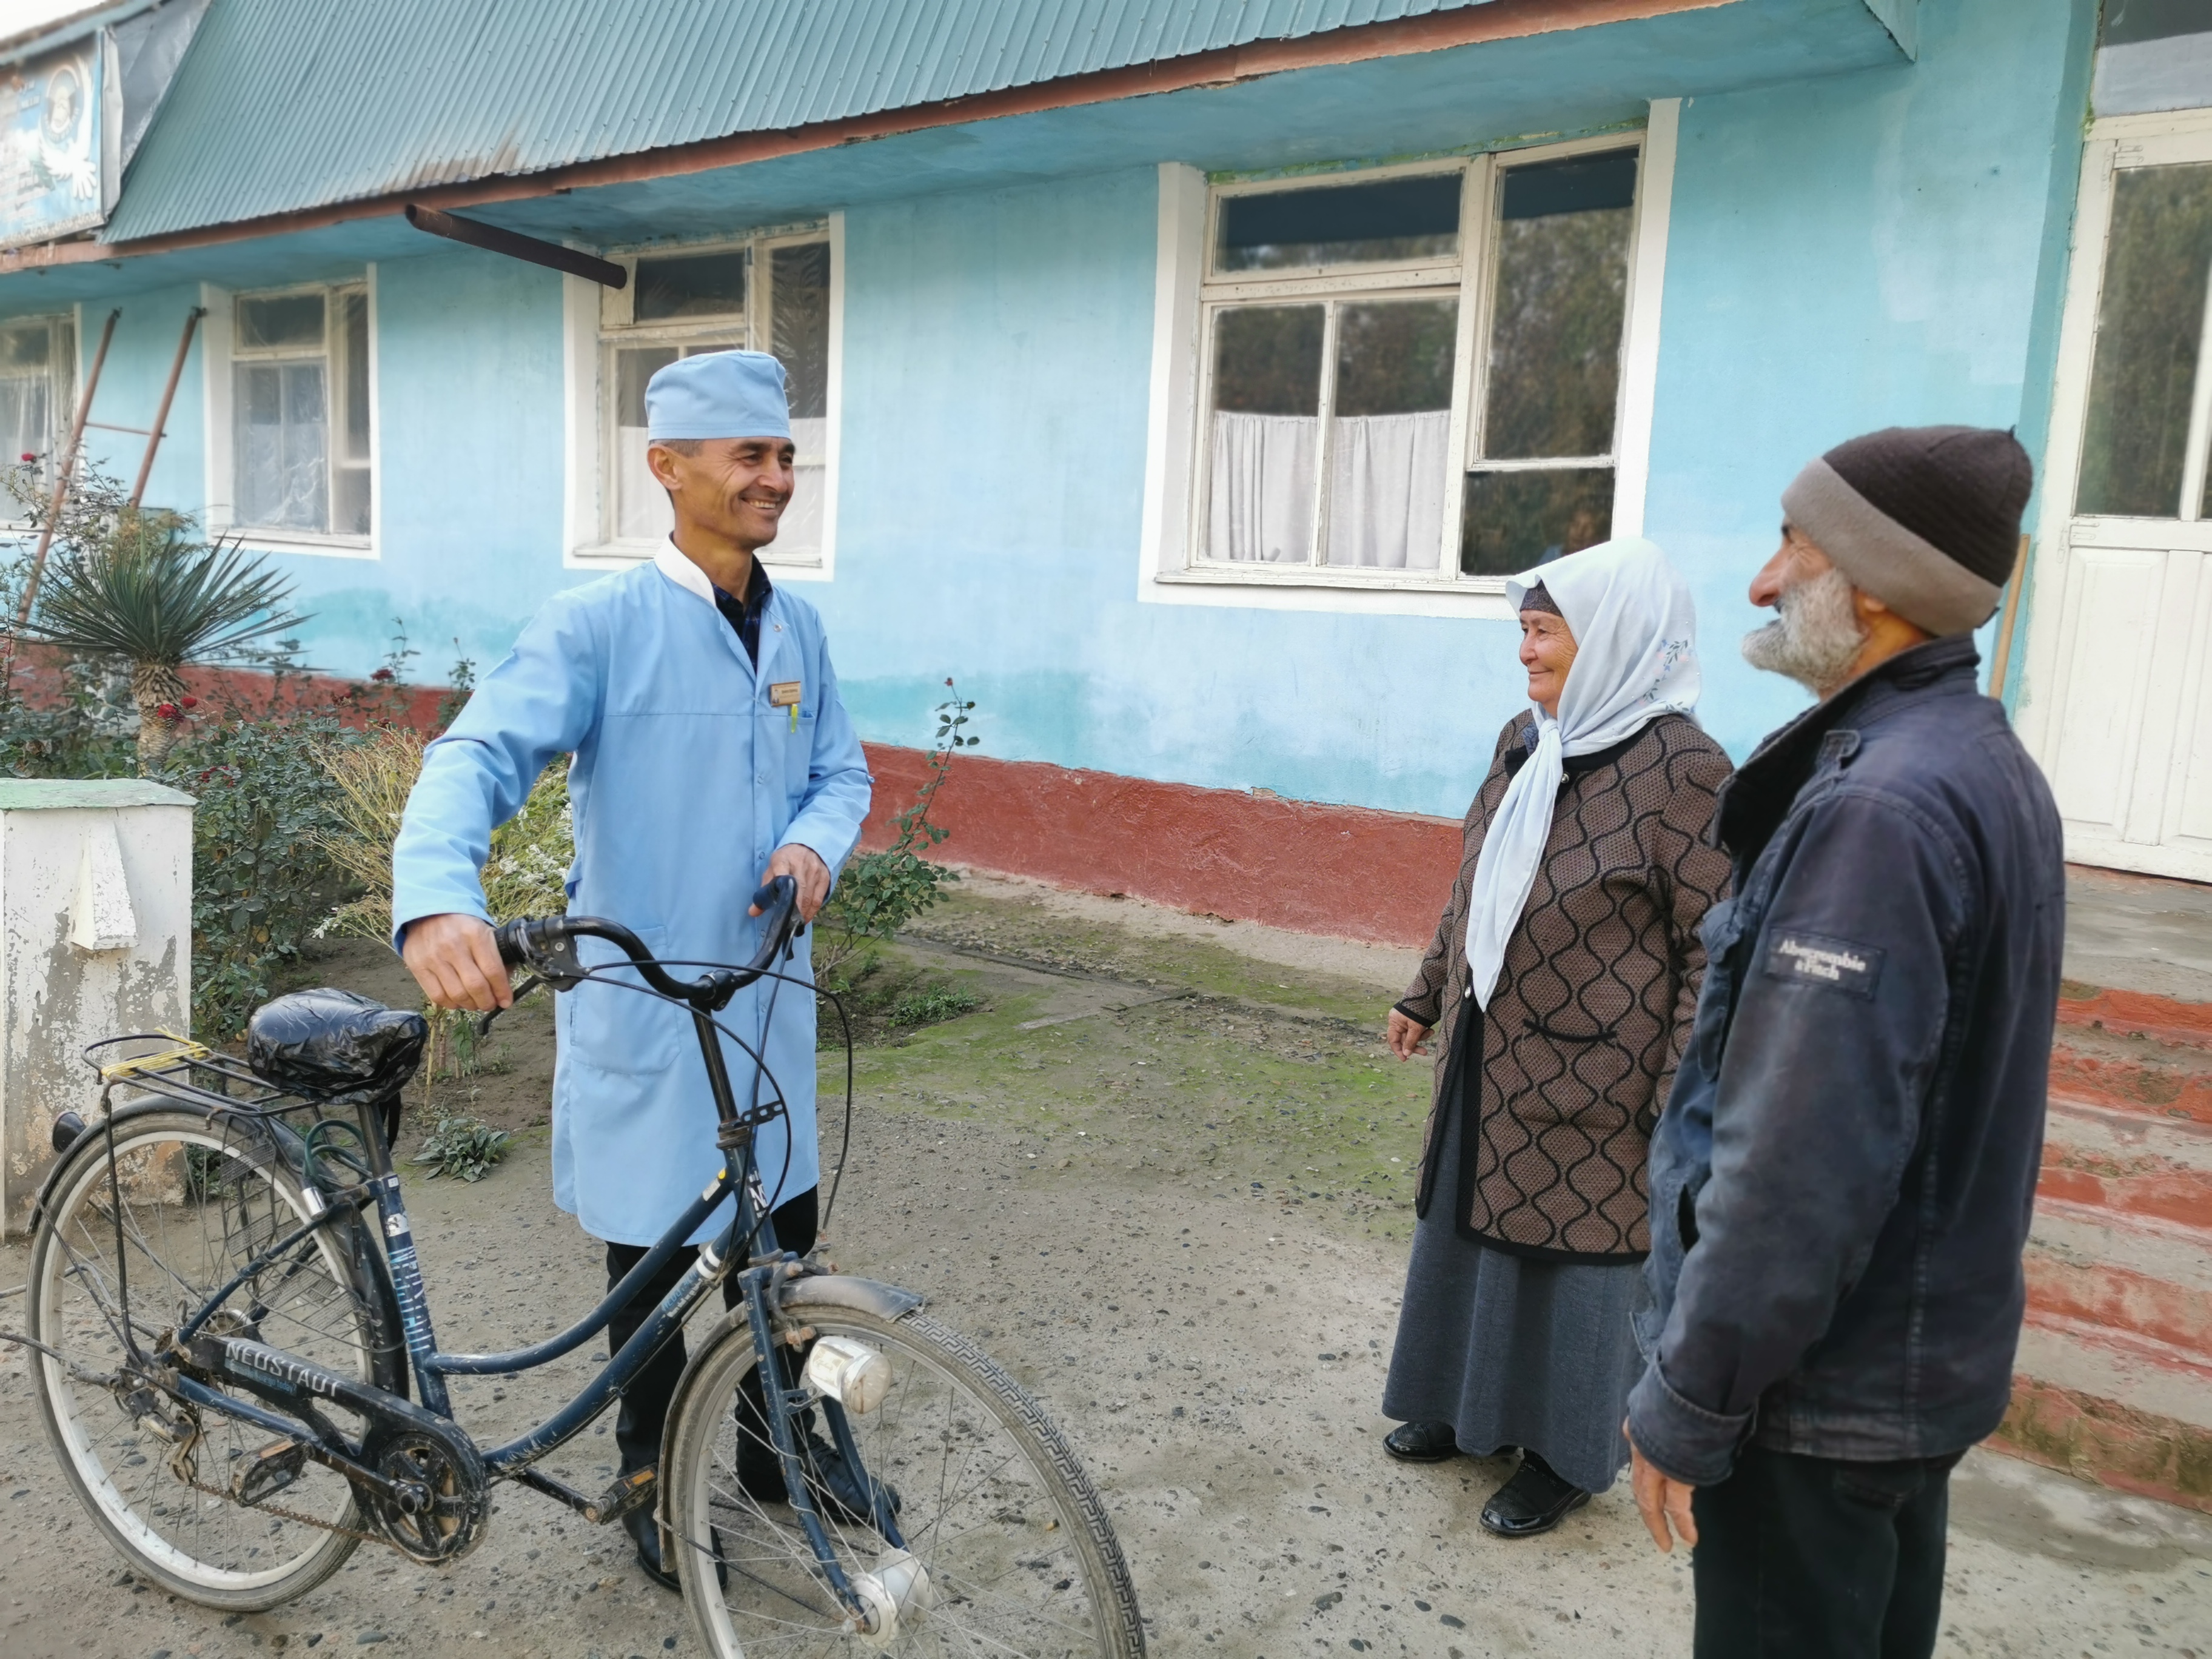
(1387, 477)
(1260, 492)
(1387, 474)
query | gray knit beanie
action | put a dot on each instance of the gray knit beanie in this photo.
(1926, 519)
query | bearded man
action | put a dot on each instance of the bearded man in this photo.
(1842, 1180)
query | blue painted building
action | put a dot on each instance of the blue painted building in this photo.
(1181, 377)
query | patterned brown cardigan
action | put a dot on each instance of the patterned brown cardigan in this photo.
(1592, 1004)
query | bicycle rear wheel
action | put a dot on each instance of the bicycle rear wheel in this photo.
(198, 1201)
(1017, 1554)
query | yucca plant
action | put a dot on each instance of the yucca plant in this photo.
(136, 585)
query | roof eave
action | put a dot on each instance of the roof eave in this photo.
(1501, 20)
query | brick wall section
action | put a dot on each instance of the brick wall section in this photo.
(1344, 871)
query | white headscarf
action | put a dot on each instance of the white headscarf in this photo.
(1636, 659)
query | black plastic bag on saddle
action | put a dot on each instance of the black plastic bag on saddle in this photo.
(335, 1046)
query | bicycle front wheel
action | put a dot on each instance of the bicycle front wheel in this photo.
(1013, 1548)
(139, 1240)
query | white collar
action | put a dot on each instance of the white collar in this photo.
(672, 564)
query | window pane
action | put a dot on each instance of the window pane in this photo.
(1389, 447)
(283, 319)
(1511, 521)
(1340, 224)
(689, 285)
(350, 501)
(798, 333)
(800, 535)
(1561, 301)
(353, 333)
(24, 436)
(2148, 323)
(26, 347)
(1265, 428)
(281, 443)
(640, 505)
(1267, 360)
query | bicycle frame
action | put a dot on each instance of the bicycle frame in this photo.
(751, 1225)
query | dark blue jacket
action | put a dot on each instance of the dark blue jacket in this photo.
(1841, 1181)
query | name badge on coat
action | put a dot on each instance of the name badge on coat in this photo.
(784, 694)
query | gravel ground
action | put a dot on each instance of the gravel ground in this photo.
(1162, 1174)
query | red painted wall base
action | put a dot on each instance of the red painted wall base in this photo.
(1344, 870)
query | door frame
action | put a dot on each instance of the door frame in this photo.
(2165, 138)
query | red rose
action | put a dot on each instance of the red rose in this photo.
(168, 711)
(381, 674)
(190, 702)
(28, 456)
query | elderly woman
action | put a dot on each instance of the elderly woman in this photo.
(1564, 977)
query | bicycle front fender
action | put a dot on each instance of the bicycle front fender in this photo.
(846, 1291)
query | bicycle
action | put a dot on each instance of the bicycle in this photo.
(223, 1355)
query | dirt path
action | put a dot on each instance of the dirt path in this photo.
(1165, 1181)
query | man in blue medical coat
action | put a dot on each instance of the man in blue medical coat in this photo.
(711, 753)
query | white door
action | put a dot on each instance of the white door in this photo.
(2116, 703)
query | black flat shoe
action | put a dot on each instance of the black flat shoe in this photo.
(1534, 1501)
(645, 1532)
(1422, 1443)
(837, 1491)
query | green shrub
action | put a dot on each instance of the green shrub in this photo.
(934, 1006)
(878, 893)
(462, 1147)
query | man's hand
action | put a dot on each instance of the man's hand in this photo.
(455, 959)
(1406, 1035)
(1662, 1500)
(804, 866)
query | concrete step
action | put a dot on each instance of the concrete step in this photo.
(2114, 1377)
(2151, 1281)
(2083, 1006)
(2134, 1074)
(2123, 1412)
(2156, 1169)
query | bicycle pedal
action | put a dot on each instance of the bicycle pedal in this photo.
(631, 1493)
(274, 1467)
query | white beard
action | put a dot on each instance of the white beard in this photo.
(1815, 638)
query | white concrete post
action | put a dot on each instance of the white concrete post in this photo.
(96, 941)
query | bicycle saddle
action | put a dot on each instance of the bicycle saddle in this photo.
(335, 1045)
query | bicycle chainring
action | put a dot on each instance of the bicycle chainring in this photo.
(447, 1502)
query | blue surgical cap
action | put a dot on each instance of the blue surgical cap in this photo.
(718, 394)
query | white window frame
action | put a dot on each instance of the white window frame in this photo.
(1171, 567)
(219, 356)
(65, 375)
(597, 320)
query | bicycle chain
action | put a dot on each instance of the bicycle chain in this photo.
(181, 1459)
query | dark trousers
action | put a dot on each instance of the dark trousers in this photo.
(1812, 1558)
(646, 1401)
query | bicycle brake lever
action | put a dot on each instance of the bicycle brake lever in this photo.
(483, 1025)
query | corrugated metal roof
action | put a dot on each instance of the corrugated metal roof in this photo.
(289, 104)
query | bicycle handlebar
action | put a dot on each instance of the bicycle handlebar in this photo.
(546, 945)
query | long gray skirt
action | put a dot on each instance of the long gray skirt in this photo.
(1511, 1351)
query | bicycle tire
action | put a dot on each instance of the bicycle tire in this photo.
(712, 1530)
(247, 1173)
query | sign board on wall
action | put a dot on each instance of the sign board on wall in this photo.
(57, 171)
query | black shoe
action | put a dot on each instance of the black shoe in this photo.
(837, 1491)
(1422, 1443)
(645, 1532)
(1535, 1500)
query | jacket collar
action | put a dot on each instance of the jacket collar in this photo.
(1759, 797)
(680, 570)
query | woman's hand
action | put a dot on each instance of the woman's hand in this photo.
(1406, 1035)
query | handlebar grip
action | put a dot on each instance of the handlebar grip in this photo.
(509, 936)
(774, 892)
